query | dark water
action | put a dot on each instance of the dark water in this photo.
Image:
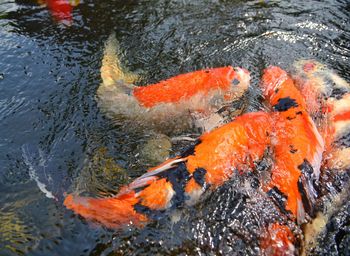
(51, 129)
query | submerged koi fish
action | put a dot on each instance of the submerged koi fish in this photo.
(173, 105)
(232, 149)
(61, 10)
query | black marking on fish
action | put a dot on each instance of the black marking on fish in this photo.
(207, 71)
(280, 199)
(290, 118)
(343, 141)
(235, 81)
(152, 214)
(255, 183)
(178, 176)
(307, 187)
(299, 113)
(292, 150)
(199, 176)
(306, 167)
(191, 149)
(338, 93)
(307, 203)
(285, 103)
(277, 90)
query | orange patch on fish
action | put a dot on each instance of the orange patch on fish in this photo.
(111, 212)
(342, 116)
(157, 195)
(232, 147)
(278, 240)
(184, 86)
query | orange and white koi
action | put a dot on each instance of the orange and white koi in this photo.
(328, 97)
(172, 105)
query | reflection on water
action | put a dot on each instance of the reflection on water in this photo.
(49, 75)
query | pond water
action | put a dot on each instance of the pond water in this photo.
(55, 140)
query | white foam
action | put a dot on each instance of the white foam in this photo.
(34, 176)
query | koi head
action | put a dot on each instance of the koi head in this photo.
(311, 75)
(310, 78)
(239, 80)
(318, 84)
(271, 80)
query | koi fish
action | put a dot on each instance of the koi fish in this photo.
(173, 105)
(61, 10)
(217, 156)
(328, 98)
(223, 153)
(298, 149)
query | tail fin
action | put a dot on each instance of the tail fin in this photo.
(112, 70)
(111, 212)
(114, 94)
(135, 203)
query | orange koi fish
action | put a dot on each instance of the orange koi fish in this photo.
(298, 149)
(218, 156)
(298, 146)
(232, 149)
(173, 105)
(328, 98)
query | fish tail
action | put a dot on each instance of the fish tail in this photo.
(112, 69)
(112, 212)
(115, 93)
(142, 200)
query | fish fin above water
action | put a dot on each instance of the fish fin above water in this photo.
(112, 69)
